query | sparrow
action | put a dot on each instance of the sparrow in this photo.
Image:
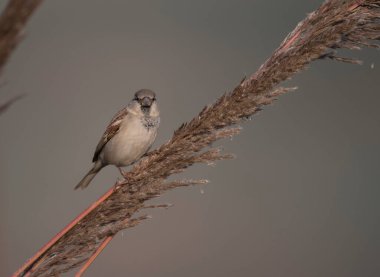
(128, 136)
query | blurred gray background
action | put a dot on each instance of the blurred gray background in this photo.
(300, 199)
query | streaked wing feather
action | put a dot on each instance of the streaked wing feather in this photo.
(112, 129)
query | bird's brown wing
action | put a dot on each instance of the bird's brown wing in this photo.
(112, 129)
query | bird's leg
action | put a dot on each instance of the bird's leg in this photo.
(122, 172)
(120, 181)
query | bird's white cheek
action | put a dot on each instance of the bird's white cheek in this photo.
(154, 112)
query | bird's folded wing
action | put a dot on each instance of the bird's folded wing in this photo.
(112, 129)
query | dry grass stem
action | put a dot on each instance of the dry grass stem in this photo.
(13, 20)
(336, 24)
(12, 23)
(5, 106)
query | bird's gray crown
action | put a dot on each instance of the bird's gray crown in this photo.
(142, 93)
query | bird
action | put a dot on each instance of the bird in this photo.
(128, 136)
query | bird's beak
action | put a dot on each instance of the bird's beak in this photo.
(146, 102)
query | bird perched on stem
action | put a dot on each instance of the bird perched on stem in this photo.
(128, 136)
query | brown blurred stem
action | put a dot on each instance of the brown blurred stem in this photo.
(349, 24)
(13, 20)
(12, 23)
(5, 106)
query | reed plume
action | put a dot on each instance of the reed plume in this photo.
(13, 20)
(351, 24)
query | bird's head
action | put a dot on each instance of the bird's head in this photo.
(145, 102)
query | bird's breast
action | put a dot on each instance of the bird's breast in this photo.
(131, 142)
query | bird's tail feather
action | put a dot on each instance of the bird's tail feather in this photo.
(89, 176)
